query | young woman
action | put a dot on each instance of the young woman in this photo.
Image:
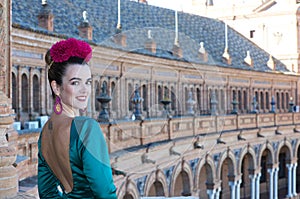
(73, 160)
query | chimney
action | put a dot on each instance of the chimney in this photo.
(45, 17)
(226, 56)
(143, 1)
(202, 52)
(271, 63)
(248, 59)
(177, 51)
(150, 43)
(85, 30)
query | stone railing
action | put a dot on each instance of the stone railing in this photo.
(127, 134)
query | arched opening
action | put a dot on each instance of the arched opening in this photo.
(267, 101)
(287, 100)
(97, 93)
(205, 181)
(198, 96)
(278, 100)
(262, 102)
(222, 101)
(145, 97)
(182, 185)
(130, 96)
(247, 169)
(156, 189)
(36, 94)
(245, 101)
(240, 100)
(14, 92)
(282, 101)
(266, 162)
(114, 96)
(284, 161)
(173, 99)
(226, 171)
(25, 93)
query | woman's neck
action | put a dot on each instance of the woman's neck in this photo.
(69, 111)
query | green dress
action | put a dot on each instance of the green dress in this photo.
(89, 161)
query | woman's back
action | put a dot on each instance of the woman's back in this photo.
(73, 160)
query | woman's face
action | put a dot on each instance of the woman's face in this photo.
(76, 86)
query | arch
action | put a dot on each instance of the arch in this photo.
(205, 176)
(263, 147)
(128, 190)
(25, 92)
(226, 154)
(246, 167)
(36, 93)
(182, 180)
(226, 171)
(156, 184)
(145, 97)
(284, 143)
(14, 83)
(130, 95)
(247, 150)
(208, 162)
(114, 96)
(97, 93)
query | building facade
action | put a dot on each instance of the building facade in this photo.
(192, 112)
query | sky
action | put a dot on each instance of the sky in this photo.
(186, 4)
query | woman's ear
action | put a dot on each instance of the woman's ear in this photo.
(55, 87)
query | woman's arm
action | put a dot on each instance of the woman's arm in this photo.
(96, 163)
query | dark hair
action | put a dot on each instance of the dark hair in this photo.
(56, 70)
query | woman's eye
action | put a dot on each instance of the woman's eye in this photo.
(89, 82)
(75, 83)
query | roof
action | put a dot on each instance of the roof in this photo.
(136, 20)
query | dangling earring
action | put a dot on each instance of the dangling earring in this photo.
(57, 105)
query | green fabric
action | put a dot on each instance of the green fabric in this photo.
(89, 160)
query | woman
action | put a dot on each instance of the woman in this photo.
(73, 160)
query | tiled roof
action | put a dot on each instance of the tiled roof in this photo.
(136, 20)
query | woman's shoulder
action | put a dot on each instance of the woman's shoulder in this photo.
(85, 119)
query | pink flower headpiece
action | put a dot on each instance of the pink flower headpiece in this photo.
(63, 50)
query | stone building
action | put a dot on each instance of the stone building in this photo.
(227, 129)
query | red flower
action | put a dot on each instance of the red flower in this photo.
(63, 50)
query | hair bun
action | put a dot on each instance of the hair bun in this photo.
(48, 58)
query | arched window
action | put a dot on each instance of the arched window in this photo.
(245, 100)
(130, 96)
(97, 93)
(287, 100)
(198, 95)
(24, 93)
(267, 101)
(173, 98)
(186, 97)
(14, 91)
(114, 96)
(145, 97)
(240, 100)
(36, 94)
(278, 100)
(222, 101)
(160, 94)
(262, 102)
(282, 101)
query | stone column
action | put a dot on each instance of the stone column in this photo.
(232, 185)
(271, 185)
(275, 194)
(8, 137)
(290, 169)
(257, 184)
(237, 189)
(217, 196)
(211, 193)
(252, 183)
(294, 179)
